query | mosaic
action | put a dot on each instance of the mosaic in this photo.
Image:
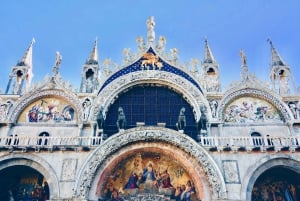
(147, 173)
(251, 110)
(49, 110)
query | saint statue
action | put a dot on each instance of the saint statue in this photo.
(150, 26)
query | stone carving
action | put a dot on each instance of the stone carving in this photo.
(118, 141)
(127, 56)
(231, 171)
(202, 123)
(141, 43)
(150, 27)
(181, 123)
(161, 43)
(58, 59)
(121, 122)
(213, 107)
(174, 56)
(100, 119)
(151, 59)
(5, 109)
(69, 169)
(86, 105)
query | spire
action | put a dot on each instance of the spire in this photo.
(94, 53)
(210, 71)
(208, 56)
(27, 58)
(280, 73)
(244, 73)
(276, 60)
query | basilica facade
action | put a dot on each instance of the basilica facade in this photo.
(150, 128)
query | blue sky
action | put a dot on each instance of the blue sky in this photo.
(71, 27)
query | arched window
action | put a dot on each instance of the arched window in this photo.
(43, 138)
(257, 140)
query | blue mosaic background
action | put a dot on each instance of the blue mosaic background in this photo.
(137, 67)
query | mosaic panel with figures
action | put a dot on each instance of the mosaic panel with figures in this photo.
(147, 173)
(48, 110)
(251, 110)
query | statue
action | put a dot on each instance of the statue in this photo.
(121, 122)
(161, 43)
(243, 58)
(100, 119)
(213, 106)
(181, 123)
(201, 124)
(150, 26)
(58, 59)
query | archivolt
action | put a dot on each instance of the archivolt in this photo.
(149, 134)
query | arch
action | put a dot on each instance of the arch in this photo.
(175, 82)
(151, 105)
(255, 93)
(263, 165)
(31, 97)
(98, 159)
(42, 138)
(36, 163)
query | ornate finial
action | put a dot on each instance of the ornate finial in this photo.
(244, 73)
(150, 26)
(208, 56)
(243, 58)
(269, 40)
(161, 43)
(94, 54)
(58, 59)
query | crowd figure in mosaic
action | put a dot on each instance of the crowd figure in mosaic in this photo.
(181, 123)
(154, 176)
(49, 110)
(121, 121)
(277, 190)
(247, 110)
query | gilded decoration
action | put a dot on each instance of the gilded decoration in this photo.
(263, 97)
(49, 110)
(251, 110)
(100, 157)
(147, 172)
(151, 59)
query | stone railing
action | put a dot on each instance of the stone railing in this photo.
(291, 143)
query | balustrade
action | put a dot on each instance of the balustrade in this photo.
(220, 143)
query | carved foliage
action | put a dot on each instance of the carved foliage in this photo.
(150, 134)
